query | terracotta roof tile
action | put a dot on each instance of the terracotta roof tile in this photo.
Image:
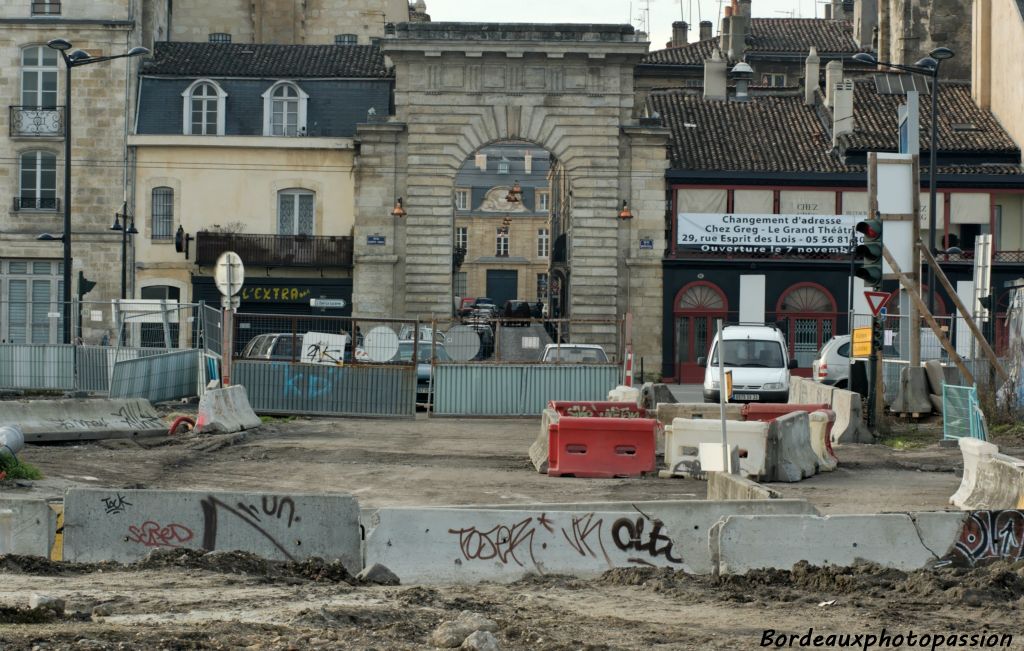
(260, 60)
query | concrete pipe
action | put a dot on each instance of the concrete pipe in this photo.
(11, 440)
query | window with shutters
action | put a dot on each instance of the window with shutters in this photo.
(30, 310)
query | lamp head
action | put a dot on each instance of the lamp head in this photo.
(78, 55)
(864, 57)
(927, 62)
(138, 51)
(942, 53)
(59, 44)
(117, 223)
(132, 230)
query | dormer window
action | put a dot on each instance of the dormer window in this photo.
(203, 109)
(503, 166)
(220, 37)
(284, 110)
(346, 39)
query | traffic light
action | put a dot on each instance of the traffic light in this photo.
(869, 254)
(877, 335)
(84, 285)
(458, 257)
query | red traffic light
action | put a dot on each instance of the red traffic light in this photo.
(871, 229)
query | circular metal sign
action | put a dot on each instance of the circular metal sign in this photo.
(229, 274)
(381, 344)
(462, 343)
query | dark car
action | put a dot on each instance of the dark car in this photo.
(517, 313)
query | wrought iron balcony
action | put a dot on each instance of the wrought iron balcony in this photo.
(34, 203)
(276, 250)
(37, 122)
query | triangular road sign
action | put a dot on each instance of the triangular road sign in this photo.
(877, 300)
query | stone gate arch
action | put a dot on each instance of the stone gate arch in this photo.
(567, 88)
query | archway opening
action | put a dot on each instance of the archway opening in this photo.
(807, 314)
(696, 308)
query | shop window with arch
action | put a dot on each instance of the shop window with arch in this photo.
(162, 207)
(295, 212)
(203, 111)
(154, 335)
(807, 315)
(38, 181)
(698, 306)
(284, 110)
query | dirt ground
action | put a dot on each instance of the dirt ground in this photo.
(186, 600)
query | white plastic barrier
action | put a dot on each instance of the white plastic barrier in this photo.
(991, 481)
(819, 422)
(539, 451)
(684, 436)
(226, 410)
(624, 394)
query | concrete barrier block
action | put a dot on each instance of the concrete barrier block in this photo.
(974, 452)
(624, 394)
(82, 419)
(652, 394)
(225, 410)
(794, 389)
(540, 449)
(912, 396)
(790, 456)
(849, 426)
(936, 376)
(27, 527)
(724, 486)
(125, 525)
(684, 436)
(666, 413)
(509, 541)
(991, 481)
(898, 540)
(987, 536)
(819, 422)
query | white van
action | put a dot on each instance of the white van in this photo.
(757, 357)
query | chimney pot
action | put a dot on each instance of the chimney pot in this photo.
(828, 12)
(812, 73)
(833, 75)
(842, 109)
(705, 29)
(714, 78)
(680, 33)
(728, 12)
(744, 8)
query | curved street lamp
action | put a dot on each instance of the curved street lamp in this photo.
(929, 66)
(73, 60)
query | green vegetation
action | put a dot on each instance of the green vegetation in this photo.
(903, 438)
(15, 469)
(276, 419)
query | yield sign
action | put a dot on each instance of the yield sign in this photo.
(877, 300)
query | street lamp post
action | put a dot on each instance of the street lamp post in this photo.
(73, 60)
(927, 66)
(126, 230)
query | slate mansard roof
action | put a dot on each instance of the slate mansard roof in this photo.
(266, 61)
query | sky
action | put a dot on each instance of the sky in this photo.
(662, 12)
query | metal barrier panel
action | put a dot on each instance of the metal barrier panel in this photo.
(169, 376)
(37, 366)
(96, 364)
(958, 412)
(320, 389)
(212, 328)
(517, 389)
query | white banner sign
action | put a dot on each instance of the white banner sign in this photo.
(767, 234)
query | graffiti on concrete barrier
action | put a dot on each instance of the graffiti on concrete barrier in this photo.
(586, 531)
(68, 424)
(152, 534)
(308, 386)
(629, 535)
(134, 418)
(115, 505)
(272, 507)
(214, 509)
(501, 542)
(988, 536)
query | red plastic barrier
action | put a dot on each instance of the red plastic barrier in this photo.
(601, 447)
(597, 409)
(768, 412)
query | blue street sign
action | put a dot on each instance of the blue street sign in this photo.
(884, 312)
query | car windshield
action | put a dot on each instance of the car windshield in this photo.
(571, 354)
(753, 353)
(423, 352)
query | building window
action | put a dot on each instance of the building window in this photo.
(462, 199)
(220, 37)
(45, 7)
(204, 109)
(39, 77)
(502, 242)
(284, 110)
(163, 213)
(346, 39)
(38, 181)
(542, 286)
(460, 283)
(503, 165)
(295, 212)
(32, 290)
(375, 41)
(154, 335)
(773, 80)
(543, 243)
(543, 201)
(462, 238)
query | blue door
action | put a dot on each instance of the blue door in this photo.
(502, 285)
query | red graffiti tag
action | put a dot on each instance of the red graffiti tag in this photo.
(152, 534)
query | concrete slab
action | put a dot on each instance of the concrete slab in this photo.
(912, 397)
(724, 486)
(124, 525)
(27, 527)
(395, 537)
(991, 481)
(790, 456)
(904, 541)
(80, 420)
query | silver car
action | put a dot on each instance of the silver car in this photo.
(833, 363)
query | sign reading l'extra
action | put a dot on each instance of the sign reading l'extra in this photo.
(765, 233)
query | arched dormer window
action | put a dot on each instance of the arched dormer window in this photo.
(284, 110)
(203, 110)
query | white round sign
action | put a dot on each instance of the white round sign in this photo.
(462, 343)
(381, 344)
(229, 274)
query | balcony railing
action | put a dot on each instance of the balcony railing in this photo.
(34, 203)
(276, 250)
(37, 122)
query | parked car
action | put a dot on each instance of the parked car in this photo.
(756, 356)
(465, 306)
(574, 354)
(424, 365)
(833, 363)
(426, 332)
(287, 347)
(517, 313)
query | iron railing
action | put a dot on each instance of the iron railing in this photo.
(36, 203)
(37, 121)
(276, 250)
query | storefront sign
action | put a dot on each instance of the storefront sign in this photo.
(274, 294)
(764, 233)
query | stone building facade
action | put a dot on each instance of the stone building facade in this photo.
(565, 88)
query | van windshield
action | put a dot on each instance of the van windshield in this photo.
(752, 353)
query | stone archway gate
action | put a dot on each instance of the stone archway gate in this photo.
(567, 88)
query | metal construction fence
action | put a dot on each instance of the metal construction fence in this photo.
(961, 413)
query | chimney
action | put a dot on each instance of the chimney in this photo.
(735, 42)
(744, 8)
(680, 33)
(828, 12)
(833, 74)
(812, 72)
(842, 109)
(742, 73)
(705, 29)
(714, 78)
